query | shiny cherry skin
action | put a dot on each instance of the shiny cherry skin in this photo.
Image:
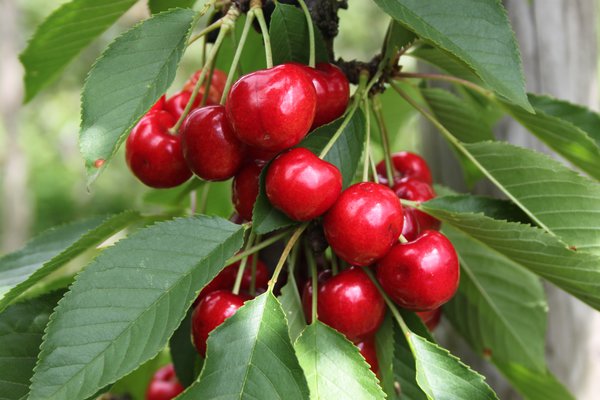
(411, 228)
(217, 86)
(406, 165)
(431, 319)
(302, 185)
(209, 146)
(177, 103)
(164, 384)
(245, 189)
(416, 190)
(420, 275)
(369, 351)
(159, 105)
(272, 109)
(364, 223)
(211, 312)
(333, 92)
(348, 302)
(154, 155)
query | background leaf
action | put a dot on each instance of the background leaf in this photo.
(405, 372)
(183, 353)
(478, 33)
(21, 329)
(333, 366)
(292, 307)
(157, 6)
(250, 356)
(385, 344)
(138, 288)
(132, 73)
(534, 385)
(397, 38)
(54, 248)
(67, 31)
(446, 62)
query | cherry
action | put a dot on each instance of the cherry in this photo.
(209, 146)
(245, 189)
(302, 185)
(164, 384)
(430, 318)
(420, 275)
(411, 228)
(177, 103)
(217, 86)
(369, 352)
(333, 92)
(364, 223)
(159, 105)
(212, 310)
(416, 190)
(407, 165)
(272, 109)
(348, 302)
(154, 155)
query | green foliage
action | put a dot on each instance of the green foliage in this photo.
(292, 307)
(157, 6)
(250, 356)
(334, 367)
(183, 353)
(129, 77)
(534, 385)
(143, 285)
(67, 31)
(385, 345)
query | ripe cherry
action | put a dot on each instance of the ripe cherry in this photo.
(411, 228)
(333, 92)
(430, 318)
(245, 189)
(348, 302)
(369, 352)
(176, 104)
(212, 310)
(159, 105)
(420, 275)
(154, 155)
(416, 190)
(302, 185)
(209, 146)
(164, 384)
(217, 86)
(272, 109)
(364, 223)
(406, 165)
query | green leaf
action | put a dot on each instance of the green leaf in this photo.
(129, 77)
(478, 33)
(488, 206)
(575, 272)
(289, 36)
(556, 198)
(385, 344)
(67, 31)
(292, 307)
(265, 217)
(250, 356)
(500, 307)
(125, 305)
(443, 376)
(405, 372)
(175, 197)
(21, 329)
(334, 367)
(534, 385)
(560, 135)
(446, 62)
(183, 353)
(397, 38)
(157, 6)
(54, 248)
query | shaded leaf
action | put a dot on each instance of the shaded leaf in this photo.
(292, 307)
(385, 343)
(183, 353)
(488, 206)
(397, 38)
(534, 385)
(157, 6)
(405, 372)
(445, 62)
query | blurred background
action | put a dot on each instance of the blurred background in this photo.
(42, 176)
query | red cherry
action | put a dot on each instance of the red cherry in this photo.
(348, 302)
(245, 189)
(364, 223)
(411, 228)
(272, 109)
(212, 310)
(333, 92)
(159, 105)
(217, 86)
(209, 146)
(369, 352)
(302, 185)
(430, 318)
(420, 275)
(154, 155)
(407, 165)
(416, 190)
(177, 103)
(259, 155)
(164, 384)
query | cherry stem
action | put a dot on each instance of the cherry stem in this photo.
(208, 84)
(204, 197)
(311, 34)
(284, 254)
(258, 247)
(365, 176)
(265, 34)
(193, 202)
(373, 167)
(387, 155)
(314, 281)
(238, 54)
(215, 25)
(402, 239)
(446, 78)
(242, 267)
(410, 203)
(253, 270)
(228, 22)
(389, 303)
